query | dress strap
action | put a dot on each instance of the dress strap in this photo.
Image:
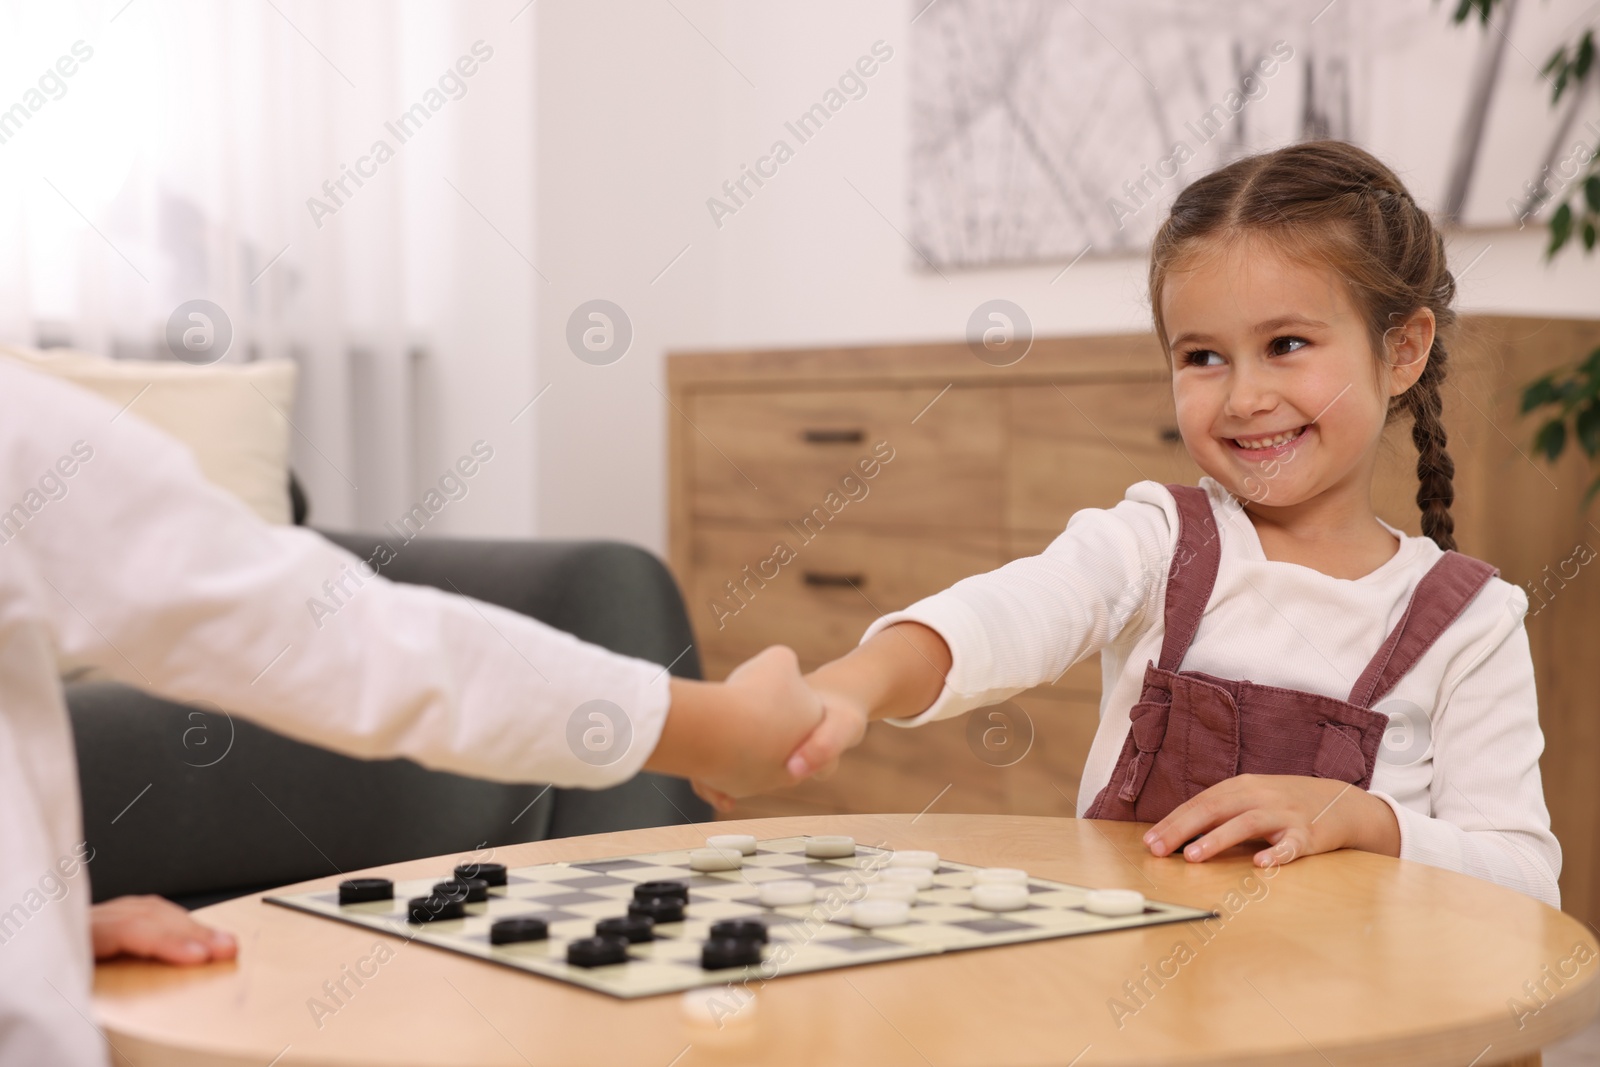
(1192, 573)
(1438, 600)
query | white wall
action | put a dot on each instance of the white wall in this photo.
(626, 123)
(478, 284)
(640, 120)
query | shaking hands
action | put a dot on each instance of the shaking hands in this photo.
(769, 727)
(829, 724)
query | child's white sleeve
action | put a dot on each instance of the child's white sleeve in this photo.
(148, 572)
(1488, 815)
(1025, 623)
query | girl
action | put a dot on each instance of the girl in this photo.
(1303, 300)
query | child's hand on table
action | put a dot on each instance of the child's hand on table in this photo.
(155, 928)
(1295, 814)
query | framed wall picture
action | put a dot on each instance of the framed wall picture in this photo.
(1046, 130)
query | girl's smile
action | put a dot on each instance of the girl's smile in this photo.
(1278, 393)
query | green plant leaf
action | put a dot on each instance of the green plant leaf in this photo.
(1567, 393)
(1594, 487)
(1551, 439)
(1560, 228)
(1588, 426)
(1466, 7)
(1588, 235)
(1539, 392)
(1580, 66)
(1591, 191)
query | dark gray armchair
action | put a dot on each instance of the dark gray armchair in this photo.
(190, 804)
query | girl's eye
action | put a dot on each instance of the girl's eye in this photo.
(1278, 343)
(1200, 357)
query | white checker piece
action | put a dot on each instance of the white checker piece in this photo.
(818, 936)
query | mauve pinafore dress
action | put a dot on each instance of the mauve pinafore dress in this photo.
(1191, 730)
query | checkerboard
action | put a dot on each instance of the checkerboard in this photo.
(571, 897)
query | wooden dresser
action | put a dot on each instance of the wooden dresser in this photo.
(812, 491)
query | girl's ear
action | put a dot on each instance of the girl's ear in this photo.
(1406, 349)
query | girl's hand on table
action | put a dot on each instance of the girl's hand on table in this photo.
(155, 928)
(1297, 815)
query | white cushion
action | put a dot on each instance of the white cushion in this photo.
(233, 416)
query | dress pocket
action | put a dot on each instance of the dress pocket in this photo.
(1339, 754)
(1209, 725)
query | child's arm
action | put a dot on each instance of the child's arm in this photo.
(1481, 810)
(731, 734)
(994, 635)
(195, 598)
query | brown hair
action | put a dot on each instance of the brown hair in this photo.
(1334, 205)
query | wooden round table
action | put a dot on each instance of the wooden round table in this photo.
(1345, 958)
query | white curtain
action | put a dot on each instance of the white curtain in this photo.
(158, 151)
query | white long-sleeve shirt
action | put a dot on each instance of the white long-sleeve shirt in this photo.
(1460, 763)
(116, 554)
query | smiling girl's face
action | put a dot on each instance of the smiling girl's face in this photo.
(1278, 394)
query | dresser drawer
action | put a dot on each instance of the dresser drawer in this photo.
(790, 455)
(830, 589)
(1080, 446)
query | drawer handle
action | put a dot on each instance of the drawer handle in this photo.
(1171, 435)
(822, 578)
(834, 437)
